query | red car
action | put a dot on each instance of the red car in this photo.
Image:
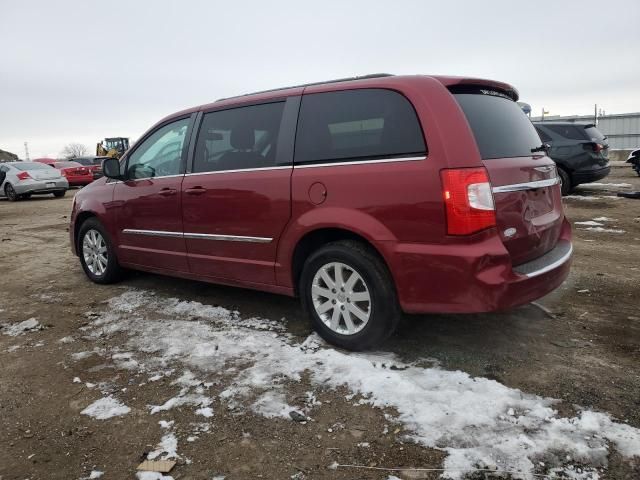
(76, 174)
(364, 197)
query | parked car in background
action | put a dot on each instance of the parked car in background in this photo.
(77, 175)
(364, 197)
(579, 150)
(23, 179)
(94, 164)
(634, 160)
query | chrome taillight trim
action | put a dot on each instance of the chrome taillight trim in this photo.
(518, 187)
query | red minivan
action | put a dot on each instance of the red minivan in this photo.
(365, 197)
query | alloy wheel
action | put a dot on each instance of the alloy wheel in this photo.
(94, 251)
(341, 298)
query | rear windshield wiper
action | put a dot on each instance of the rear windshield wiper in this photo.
(542, 148)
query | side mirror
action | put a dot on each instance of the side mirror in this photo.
(111, 168)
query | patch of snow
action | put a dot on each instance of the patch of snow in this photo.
(183, 398)
(587, 198)
(82, 355)
(272, 404)
(166, 449)
(13, 348)
(16, 329)
(152, 476)
(105, 408)
(604, 219)
(466, 416)
(364, 445)
(77, 380)
(164, 424)
(66, 340)
(205, 412)
(599, 185)
(603, 230)
(590, 223)
(95, 474)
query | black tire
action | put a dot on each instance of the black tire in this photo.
(10, 193)
(566, 187)
(113, 272)
(60, 194)
(384, 309)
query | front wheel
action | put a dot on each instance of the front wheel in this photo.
(97, 253)
(349, 294)
(59, 194)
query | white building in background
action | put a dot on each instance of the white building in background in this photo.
(622, 130)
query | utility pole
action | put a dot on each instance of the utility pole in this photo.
(595, 114)
(26, 151)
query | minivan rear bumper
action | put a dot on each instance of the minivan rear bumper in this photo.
(475, 277)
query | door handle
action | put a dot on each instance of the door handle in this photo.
(167, 192)
(195, 191)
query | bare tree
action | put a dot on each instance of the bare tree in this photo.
(74, 150)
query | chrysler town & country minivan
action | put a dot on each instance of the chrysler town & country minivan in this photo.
(365, 197)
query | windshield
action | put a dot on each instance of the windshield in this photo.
(500, 127)
(31, 166)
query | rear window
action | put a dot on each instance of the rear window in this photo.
(499, 125)
(31, 166)
(357, 125)
(594, 134)
(543, 136)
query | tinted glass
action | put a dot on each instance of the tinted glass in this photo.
(87, 162)
(543, 136)
(66, 164)
(499, 125)
(572, 132)
(594, 134)
(160, 154)
(31, 166)
(357, 125)
(238, 138)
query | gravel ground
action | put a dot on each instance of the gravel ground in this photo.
(580, 345)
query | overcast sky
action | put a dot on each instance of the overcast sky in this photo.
(79, 71)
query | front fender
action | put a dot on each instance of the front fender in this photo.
(94, 200)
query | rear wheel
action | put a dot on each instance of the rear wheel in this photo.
(59, 194)
(97, 253)
(565, 182)
(10, 193)
(350, 296)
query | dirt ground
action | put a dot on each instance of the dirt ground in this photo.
(582, 347)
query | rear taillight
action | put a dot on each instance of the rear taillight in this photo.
(596, 147)
(468, 199)
(23, 176)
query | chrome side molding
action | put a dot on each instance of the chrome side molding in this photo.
(518, 187)
(197, 236)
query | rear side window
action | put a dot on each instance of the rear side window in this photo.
(239, 138)
(499, 125)
(572, 132)
(357, 125)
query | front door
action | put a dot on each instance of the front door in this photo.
(236, 201)
(149, 213)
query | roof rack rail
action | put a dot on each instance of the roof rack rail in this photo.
(337, 80)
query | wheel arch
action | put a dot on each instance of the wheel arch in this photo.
(315, 239)
(79, 220)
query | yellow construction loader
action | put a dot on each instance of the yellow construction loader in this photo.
(112, 147)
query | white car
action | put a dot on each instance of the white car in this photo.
(23, 179)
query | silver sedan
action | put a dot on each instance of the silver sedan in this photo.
(23, 179)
